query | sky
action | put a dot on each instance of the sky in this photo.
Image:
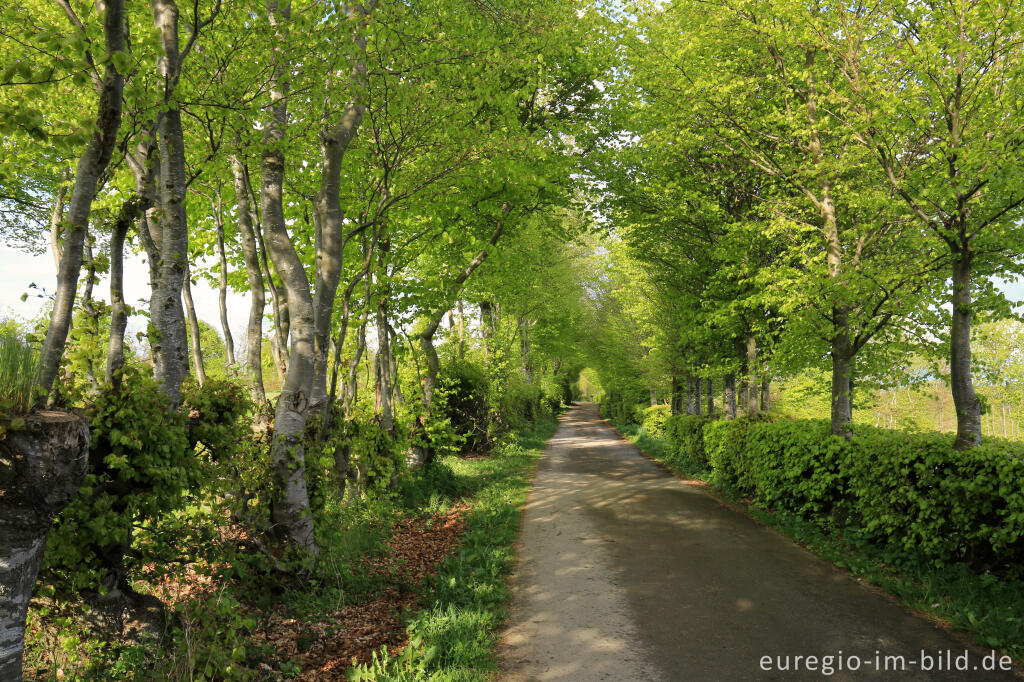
(19, 270)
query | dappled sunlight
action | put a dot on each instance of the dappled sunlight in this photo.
(628, 573)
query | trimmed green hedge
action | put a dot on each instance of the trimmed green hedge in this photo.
(913, 490)
(684, 433)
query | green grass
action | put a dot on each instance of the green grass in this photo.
(18, 365)
(989, 607)
(465, 603)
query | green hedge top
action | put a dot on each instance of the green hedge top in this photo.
(911, 489)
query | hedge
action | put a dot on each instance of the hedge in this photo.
(685, 436)
(913, 490)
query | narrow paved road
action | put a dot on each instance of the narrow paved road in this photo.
(627, 573)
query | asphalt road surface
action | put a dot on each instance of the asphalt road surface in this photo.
(628, 573)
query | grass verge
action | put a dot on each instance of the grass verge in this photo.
(988, 607)
(464, 604)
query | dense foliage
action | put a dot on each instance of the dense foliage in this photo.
(448, 220)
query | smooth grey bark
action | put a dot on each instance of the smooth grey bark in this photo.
(965, 400)
(335, 140)
(91, 165)
(192, 322)
(842, 370)
(130, 213)
(729, 396)
(751, 384)
(766, 396)
(291, 512)
(653, 396)
(57, 220)
(711, 396)
(692, 394)
(697, 407)
(222, 294)
(524, 348)
(168, 340)
(486, 326)
(282, 318)
(41, 467)
(258, 300)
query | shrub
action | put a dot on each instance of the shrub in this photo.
(654, 418)
(949, 505)
(911, 490)
(623, 408)
(725, 443)
(466, 405)
(795, 465)
(140, 467)
(685, 434)
(520, 404)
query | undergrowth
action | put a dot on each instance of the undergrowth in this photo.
(465, 603)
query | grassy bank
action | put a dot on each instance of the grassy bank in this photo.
(989, 607)
(463, 606)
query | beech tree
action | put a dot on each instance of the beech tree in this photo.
(929, 90)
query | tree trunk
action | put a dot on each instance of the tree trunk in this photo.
(250, 253)
(279, 300)
(91, 313)
(524, 349)
(130, 212)
(486, 326)
(711, 396)
(168, 342)
(766, 396)
(91, 165)
(968, 407)
(352, 392)
(368, 248)
(842, 371)
(41, 467)
(291, 511)
(751, 383)
(383, 364)
(229, 341)
(193, 330)
(424, 456)
(692, 396)
(57, 220)
(334, 142)
(678, 402)
(396, 387)
(729, 396)
(462, 331)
